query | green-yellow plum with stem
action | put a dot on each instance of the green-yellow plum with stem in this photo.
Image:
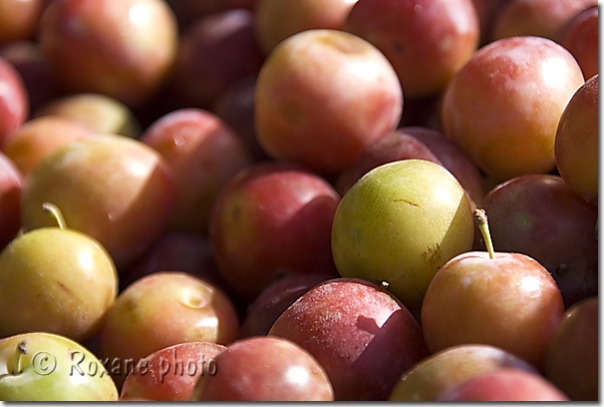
(55, 279)
(41, 366)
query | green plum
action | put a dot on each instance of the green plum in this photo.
(40, 366)
(55, 280)
(399, 224)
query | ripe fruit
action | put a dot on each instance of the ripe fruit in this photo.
(502, 299)
(399, 224)
(203, 154)
(580, 36)
(505, 385)
(170, 374)
(120, 48)
(270, 220)
(37, 138)
(364, 338)
(113, 188)
(322, 96)
(264, 369)
(542, 18)
(440, 372)
(427, 41)
(540, 216)
(572, 357)
(577, 141)
(160, 310)
(503, 107)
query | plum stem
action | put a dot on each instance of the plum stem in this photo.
(55, 213)
(483, 225)
(20, 351)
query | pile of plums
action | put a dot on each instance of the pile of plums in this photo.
(301, 200)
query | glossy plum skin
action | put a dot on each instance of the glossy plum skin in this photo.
(121, 48)
(427, 41)
(170, 374)
(64, 382)
(264, 368)
(113, 188)
(540, 216)
(14, 100)
(324, 95)
(442, 371)
(541, 18)
(577, 140)
(511, 302)
(55, 280)
(354, 328)
(580, 36)
(203, 153)
(573, 354)
(164, 309)
(505, 384)
(276, 20)
(11, 181)
(503, 107)
(400, 223)
(272, 219)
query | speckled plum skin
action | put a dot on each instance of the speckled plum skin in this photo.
(354, 329)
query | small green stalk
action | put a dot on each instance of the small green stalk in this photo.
(483, 225)
(56, 214)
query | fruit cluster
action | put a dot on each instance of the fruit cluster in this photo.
(279, 200)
